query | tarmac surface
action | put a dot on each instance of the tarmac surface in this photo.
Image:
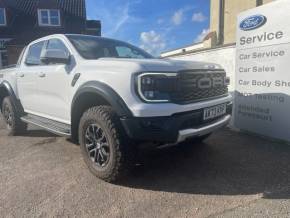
(230, 175)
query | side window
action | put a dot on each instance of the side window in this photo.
(33, 55)
(125, 52)
(57, 44)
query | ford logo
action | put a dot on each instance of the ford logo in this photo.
(253, 22)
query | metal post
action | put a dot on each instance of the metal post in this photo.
(221, 22)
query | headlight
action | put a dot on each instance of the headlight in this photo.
(156, 87)
(227, 81)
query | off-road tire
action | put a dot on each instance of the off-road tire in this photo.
(121, 159)
(15, 126)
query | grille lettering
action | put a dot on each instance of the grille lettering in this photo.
(196, 86)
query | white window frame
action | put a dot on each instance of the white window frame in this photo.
(5, 21)
(49, 17)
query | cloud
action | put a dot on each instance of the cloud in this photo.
(201, 36)
(160, 21)
(152, 42)
(113, 18)
(178, 17)
(124, 18)
(198, 17)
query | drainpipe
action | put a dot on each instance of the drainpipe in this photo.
(221, 22)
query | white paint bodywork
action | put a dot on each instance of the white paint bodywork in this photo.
(52, 97)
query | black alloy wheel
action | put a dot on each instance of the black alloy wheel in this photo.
(97, 145)
(14, 125)
(8, 116)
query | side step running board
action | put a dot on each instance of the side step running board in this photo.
(50, 125)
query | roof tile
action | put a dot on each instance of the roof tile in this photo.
(73, 7)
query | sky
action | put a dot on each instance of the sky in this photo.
(154, 25)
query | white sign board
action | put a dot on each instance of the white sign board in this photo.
(262, 100)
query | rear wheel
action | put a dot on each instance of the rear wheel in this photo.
(12, 120)
(105, 147)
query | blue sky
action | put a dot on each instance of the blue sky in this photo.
(155, 25)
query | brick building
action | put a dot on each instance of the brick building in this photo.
(22, 21)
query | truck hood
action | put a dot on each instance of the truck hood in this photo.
(160, 64)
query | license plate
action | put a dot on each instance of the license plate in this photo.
(213, 112)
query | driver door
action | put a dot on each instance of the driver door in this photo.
(53, 87)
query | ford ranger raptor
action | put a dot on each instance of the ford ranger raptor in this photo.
(111, 97)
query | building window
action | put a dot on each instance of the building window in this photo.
(48, 17)
(2, 17)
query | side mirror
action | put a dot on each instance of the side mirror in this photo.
(55, 56)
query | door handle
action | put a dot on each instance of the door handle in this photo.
(21, 75)
(42, 74)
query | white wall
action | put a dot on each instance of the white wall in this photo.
(224, 56)
(182, 50)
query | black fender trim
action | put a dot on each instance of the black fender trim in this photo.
(16, 102)
(107, 93)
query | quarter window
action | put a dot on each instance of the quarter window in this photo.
(2, 17)
(34, 52)
(48, 17)
(57, 44)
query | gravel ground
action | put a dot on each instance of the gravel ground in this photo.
(230, 175)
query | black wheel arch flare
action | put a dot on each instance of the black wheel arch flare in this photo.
(101, 90)
(7, 90)
(106, 92)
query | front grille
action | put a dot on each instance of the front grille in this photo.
(188, 90)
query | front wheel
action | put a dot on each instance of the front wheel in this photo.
(12, 120)
(104, 145)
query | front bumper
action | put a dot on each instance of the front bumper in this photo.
(175, 128)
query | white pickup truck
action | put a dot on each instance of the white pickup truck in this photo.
(111, 97)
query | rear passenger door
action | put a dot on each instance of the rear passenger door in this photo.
(27, 77)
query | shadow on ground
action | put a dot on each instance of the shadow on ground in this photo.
(228, 163)
(38, 133)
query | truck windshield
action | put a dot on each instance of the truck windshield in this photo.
(91, 47)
